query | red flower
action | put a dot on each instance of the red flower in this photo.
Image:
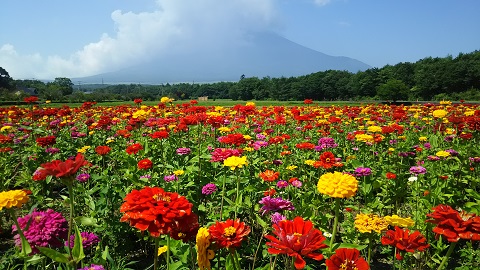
(155, 210)
(46, 141)
(102, 150)
(327, 160)
(187, 229)
(229, 234)
(234, 139)
(296, 238)
(269, 192)
(402, 240)
(159, 135)
(145, 164)
(134, 148)
(5, 139)
(30, 99)
(347, 259)
(137, 100)
(66, 168)
(308, 101)
(390, 175)
(305, 145)
(454, 225)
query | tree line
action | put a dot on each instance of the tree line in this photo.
(453, 78)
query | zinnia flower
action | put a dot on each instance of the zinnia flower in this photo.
(337, 185)
(269, 175)
(12, 198)
(155, 210)
(45, 229)
(184, 151)
(395, 220)
(347, 259)
(361, 171)
(102, 150)
(402, 240)
(296, 238)
(134, 148)
(93, 267)
(145, 164)
(454, 225)
(83, 177)
(235, 162)
(416, 170)
(88, 240)
(439, 113)
(209, 189)
(366, 223)
(65, 168)
(275, 204)
(46, 141)
(229, 234)
(204, 255)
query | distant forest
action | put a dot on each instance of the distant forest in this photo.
(430, 78)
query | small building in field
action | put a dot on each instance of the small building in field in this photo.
(205, 98)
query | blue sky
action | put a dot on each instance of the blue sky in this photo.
(54, 38)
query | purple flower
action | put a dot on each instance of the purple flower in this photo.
(325, 142)
(297, 183)
(449, 138)
(416, 170)
(83, 177)
(452, 152)
(170, 178)
(277, 217)
(184, 151)
(209, 188)
(46, 228)
(427, 145)
(275, 204)
(361, 171)
(277, 162)
(282, 184)
(92, 267)
(146, 176)
(433, 158)
(88, 240)
(260, 137)
(52, 150)
(474, 159)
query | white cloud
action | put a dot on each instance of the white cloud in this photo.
(321, 2)
(174, 27)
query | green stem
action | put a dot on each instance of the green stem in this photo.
(72, 212)
(26, 249)
(168, 252)
(369, 256)
(445, 259)
(335, 222)
(393, 258)
(155, 254)
(223, 196)
(237, 202)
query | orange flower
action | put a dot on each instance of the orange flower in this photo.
(145, 164)
(229, 234)
(134, 148)
(327, 160)
(102, 150)
(155, 210)
(269, 175)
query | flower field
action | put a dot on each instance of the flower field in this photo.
(183, 186)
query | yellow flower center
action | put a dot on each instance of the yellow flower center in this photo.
(229, 231)
(159, 197)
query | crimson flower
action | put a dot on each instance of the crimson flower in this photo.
(145, 164)
(455, 225)
(138, 101)
(46, 141)
(327, 160)
(30, 99)
(347, 259)
(229, 234)
(134, 148)
(102, 150)
(402, 240)
(296, 238)
(159, 135)
(65, 168)
(155, 210)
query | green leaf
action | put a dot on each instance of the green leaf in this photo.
(87, 221)
(77, 251)
(261, 222)
(54, 255)
(349, 245)
(105, 253)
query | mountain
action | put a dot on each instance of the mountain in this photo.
(259, 55)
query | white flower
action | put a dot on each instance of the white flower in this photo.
(412, 179)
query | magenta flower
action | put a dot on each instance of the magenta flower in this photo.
(361, 171)
(45, 229)
(275, 204)
(93, 267)
(170, 178)
(209, 189)
(324, 143)
(184, 151)
(277, 217)
(83, 177)
(416, 170)
(282, 184)
(88, 240)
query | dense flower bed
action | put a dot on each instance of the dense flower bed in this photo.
(191, 187)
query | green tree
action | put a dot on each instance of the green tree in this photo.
(5, 80)
(393, 90)
(64, 84)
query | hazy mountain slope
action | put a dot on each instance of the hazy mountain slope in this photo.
(260, 55)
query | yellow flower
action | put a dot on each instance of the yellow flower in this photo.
(374, 129)
(250, 104)
(391, 149)
(12, 198)
(235, 162)
(166, 100)
(178, 172)
(248, 149)
(439, 113)
(204, 255)
(292, 167)
(351, 157)
(366, 223)
(83, 149)
(47, 101)
(224, 129)
(395, 220)
(309, 162)
(5, 128)
(109, 141)
(443, 154)
(162, 250)
(364, 138)
(423, 139)
(337, 185)
(445, 102)
(247, 137)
